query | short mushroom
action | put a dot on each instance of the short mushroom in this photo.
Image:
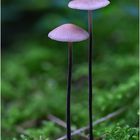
(89, 5)
(69, 33)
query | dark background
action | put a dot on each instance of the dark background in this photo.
(34, 69)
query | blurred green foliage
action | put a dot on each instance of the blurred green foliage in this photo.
(34, 70)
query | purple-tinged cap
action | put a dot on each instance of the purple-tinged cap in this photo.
(68, 33)
(88, 4)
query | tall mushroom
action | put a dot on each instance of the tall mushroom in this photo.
(89, 5)
(69, 33)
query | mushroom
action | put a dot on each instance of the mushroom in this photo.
(89, 5)
(69, 33)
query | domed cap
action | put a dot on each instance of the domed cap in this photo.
(68, 33)
(88, 4)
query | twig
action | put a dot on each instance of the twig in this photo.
(109, 116)
(63, 124)
(56, 120)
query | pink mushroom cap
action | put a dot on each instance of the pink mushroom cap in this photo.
(88, 4)
(68, 33)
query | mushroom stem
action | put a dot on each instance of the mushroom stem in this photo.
(90, 72)
(69, 90)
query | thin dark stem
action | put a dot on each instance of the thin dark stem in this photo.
(69, 90)
(90, 73)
